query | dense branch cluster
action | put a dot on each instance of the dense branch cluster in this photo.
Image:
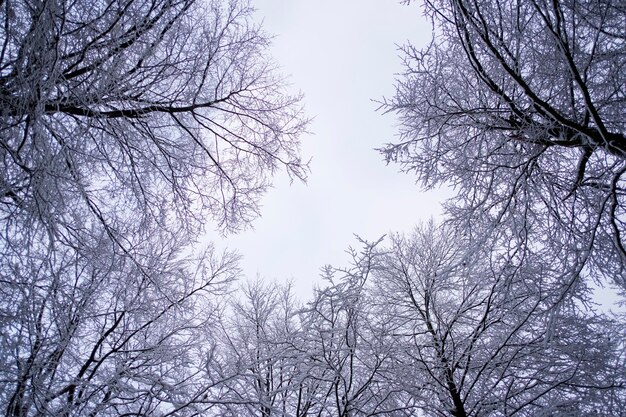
(520, 105)
(141, 106)
(128, 126)
(420, 327)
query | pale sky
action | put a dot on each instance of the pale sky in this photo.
(341, 54)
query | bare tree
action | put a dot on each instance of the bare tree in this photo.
(476, 335)
(135, 106)
(520, 106)
(88, 332)
(259, 354)
(125, 127)
(323, 359)
(349, 349)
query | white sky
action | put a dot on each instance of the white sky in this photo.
(341, 54)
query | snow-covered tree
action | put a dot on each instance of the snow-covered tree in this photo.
(259, 354)
(474, 334)
(87, 331)
(519, 105)
(126, 127)
(167, 109)
(348, 349)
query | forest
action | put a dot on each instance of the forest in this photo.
(128, 128)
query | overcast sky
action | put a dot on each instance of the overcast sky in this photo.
(341, 54)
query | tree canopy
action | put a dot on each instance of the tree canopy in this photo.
(143, 107)
(127, 127)
(519, 105)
